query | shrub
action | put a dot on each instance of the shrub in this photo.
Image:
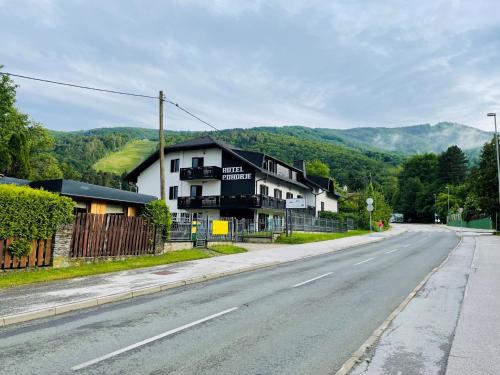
(20, 247)
(32, 214)
(158, 213)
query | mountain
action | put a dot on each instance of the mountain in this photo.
(414, 139)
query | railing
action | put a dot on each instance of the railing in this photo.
(200, 173)
(231, 201)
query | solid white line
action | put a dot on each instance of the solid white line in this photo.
(391, 251)
(151, 339)
(364, 261)
(311, 280)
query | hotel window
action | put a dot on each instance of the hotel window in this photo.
(289, 195)
(264, 190)
(299, 196)
(290, 174)
(174, 165)
(197, 162)
(173, 192)
(196, 191)
(277, 193)
(322, 206)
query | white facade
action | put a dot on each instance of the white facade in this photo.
(148, 182)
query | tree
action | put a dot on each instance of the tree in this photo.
(452, 166)
(19, 165)
(317, 168)
(484, 180)
(45, 167)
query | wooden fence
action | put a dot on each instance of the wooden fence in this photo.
(40, 256)
(111, 235)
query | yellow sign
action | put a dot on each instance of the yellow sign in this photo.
(220, 227)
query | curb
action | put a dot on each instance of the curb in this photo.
(98, 301)
(355, 358)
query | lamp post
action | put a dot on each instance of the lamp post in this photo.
(494, 115)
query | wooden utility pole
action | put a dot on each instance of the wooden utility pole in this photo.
(162, 155)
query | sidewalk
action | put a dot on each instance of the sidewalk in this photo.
(452, 323)
(42, 300)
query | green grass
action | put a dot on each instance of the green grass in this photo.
(228, 249)
(10, 279)
(127, 158)
(298, 238)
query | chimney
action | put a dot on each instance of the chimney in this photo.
(300, 164)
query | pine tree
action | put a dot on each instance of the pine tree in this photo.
(452, 166)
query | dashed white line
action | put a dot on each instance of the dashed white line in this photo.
(364, 261)
(391, 251)
(151, 339)
(311, 280)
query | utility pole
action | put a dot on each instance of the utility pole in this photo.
(162, 146)
(448, 212)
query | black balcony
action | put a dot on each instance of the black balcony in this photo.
(201, 173)
(231, 202)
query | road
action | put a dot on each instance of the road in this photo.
(304, 317)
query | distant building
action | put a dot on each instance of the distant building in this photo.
(90, 198)
(210, 177)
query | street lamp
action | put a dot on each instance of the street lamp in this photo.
(494, 115)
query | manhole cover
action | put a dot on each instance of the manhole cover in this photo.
(164, 273)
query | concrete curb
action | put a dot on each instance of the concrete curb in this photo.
(93, 302)
(358, 354)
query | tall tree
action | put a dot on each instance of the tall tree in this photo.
(484, 180)
(452, 166)
(19, 165)
(317, 168)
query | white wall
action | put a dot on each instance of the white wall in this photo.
(148, 182)
(331, 203)
(274, 183)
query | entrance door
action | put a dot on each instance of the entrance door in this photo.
(263, 218)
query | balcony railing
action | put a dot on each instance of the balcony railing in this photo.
(231, 202)
(201, 173)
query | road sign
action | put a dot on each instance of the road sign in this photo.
(369, 201)
(369, 208)
(296, 203)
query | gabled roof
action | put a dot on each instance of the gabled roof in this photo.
(324, 183)
(251, 158)
(84, 190)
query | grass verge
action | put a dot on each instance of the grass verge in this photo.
(228, 249)
(298, 238)
(10, 279)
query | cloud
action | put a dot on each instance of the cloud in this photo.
(241, 63)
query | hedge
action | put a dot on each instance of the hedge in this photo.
(32, 214)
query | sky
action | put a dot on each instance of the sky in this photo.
(333, 64)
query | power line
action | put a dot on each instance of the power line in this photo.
(112, 92)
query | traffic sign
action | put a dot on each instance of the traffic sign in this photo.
(369, 201)
(369, 208)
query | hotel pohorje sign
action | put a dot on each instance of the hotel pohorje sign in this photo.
(235, 173)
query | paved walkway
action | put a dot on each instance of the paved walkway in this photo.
(40, 300)
(452, 323)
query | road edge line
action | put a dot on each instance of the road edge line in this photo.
(57, 310)
(355, 358)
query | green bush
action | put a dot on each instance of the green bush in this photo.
(32, 214)
(157, 212)
(20, 247)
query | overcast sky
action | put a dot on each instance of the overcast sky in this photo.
(335, 64)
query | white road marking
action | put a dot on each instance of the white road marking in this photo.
(407, 245)
(364, 261)
(311, 280)
(391, 251)
(151, 339)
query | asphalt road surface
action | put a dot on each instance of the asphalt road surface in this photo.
(305, 317)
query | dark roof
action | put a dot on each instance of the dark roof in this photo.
(251, 158)
(13, 181)
(84, 190)
(324, 183)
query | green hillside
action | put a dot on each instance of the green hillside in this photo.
(127, 158)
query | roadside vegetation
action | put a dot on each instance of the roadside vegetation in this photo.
(299, 238)
(227, 249)
(16, 278)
